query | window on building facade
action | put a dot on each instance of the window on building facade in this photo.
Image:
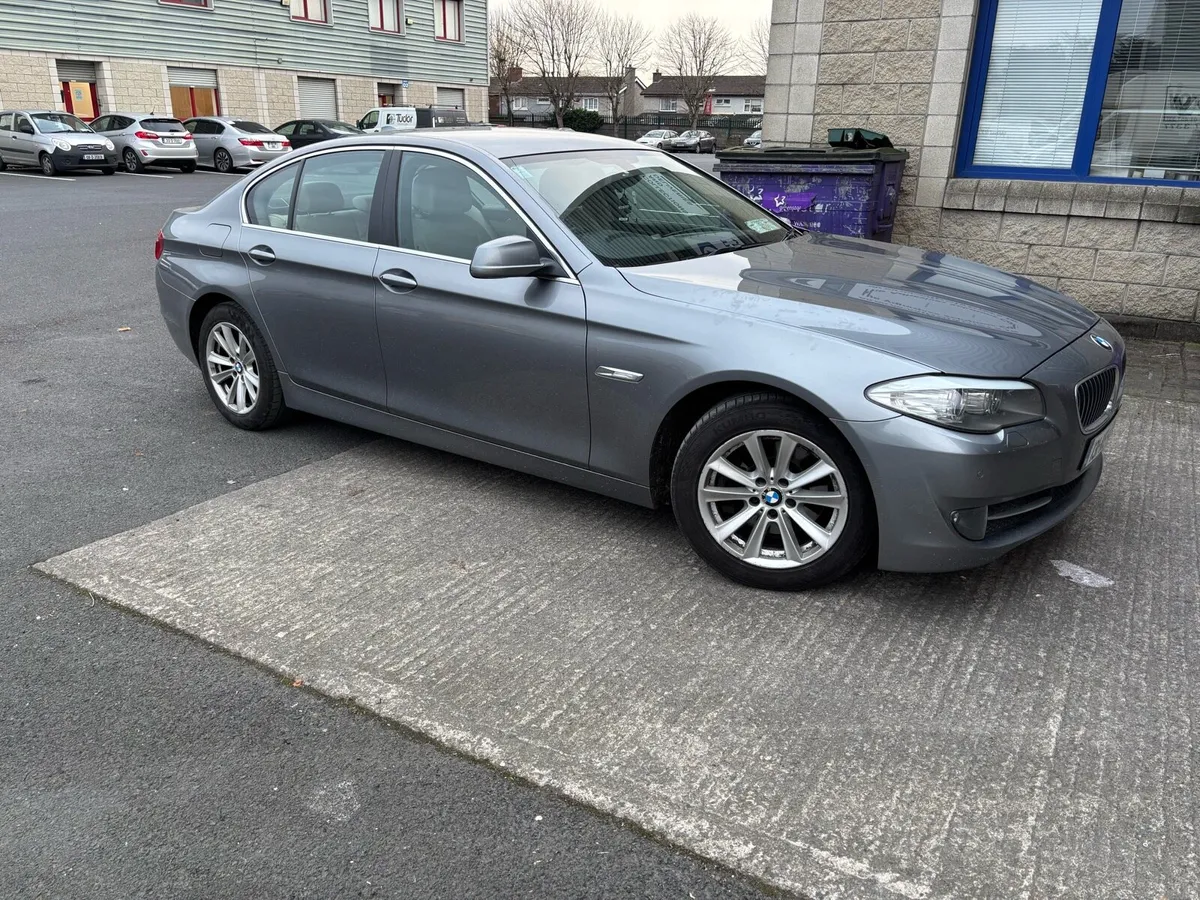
(752, 105)
(1084, 89)
(387, 15)
(202, 4)
(667, 104)
(447, 20)
(722, 103)
(591, 103)
(520, 103)
(310, 10)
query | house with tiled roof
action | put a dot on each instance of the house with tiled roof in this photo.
(730, 95)
(529, 95)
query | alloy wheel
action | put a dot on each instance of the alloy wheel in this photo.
(131, 160)
(223, 161)
(232, 367)
(772, 499)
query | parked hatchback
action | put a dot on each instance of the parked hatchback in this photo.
(303, 132)
(609, 317)
(53, 142)
(145, 139)
(660, 138)
(755, 140)
(227, 143)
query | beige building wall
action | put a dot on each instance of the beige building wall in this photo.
(28, 80)
(240, 96)
(282, 102)
(135, 87)
(355, 96)
(900, 67)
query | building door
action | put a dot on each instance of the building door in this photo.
(318, 98)
(77, 80)
(193, 92)
(454, 98)
(386, 94)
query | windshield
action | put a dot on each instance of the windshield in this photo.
(637, 208)
(58, 123)
(170, 126)
(252, 128)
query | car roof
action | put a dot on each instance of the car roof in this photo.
(501, 143)
(144, 115)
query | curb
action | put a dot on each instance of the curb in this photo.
(1155, 329)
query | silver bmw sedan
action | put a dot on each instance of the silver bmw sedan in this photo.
(605, 315)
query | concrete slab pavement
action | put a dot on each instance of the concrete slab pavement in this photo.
(1021, 730)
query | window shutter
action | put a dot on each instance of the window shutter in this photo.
(1037, 76)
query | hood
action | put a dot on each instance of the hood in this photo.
(75, 138)
(943, 312)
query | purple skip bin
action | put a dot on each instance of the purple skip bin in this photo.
(832, 189)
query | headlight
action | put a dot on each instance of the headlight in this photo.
(108, 145)
(965, 404)
(62, 145)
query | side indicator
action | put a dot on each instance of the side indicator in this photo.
(619, 374)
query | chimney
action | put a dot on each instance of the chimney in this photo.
(514, 74)
(657, 75)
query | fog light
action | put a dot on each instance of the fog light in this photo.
(971, 523)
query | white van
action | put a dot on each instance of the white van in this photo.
(391, 118)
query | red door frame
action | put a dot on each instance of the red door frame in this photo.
(65, 89)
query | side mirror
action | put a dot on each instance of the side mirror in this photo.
(25, 128)
(508, 257)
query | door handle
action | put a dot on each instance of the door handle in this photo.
(261, 254)
(398, 281)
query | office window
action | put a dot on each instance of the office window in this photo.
(752, 105)
(311, 10)
(387, 15)
(591, 103)
(1084, 89)
(447, 20)
(667, 104)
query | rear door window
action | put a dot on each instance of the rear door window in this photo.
(270, 200)
(252, 128)
(336, 194)
(6, 122)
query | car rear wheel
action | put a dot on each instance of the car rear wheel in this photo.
(222, 161)
(3, 164)
(771, 495)
(188, 168)
(239, 373)
(131, 161)
(46, 161)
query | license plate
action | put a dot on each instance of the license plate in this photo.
(172, 140)
(88, 156)
(272, 146)
(1095, 446)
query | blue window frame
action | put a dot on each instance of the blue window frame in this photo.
(1083, 161)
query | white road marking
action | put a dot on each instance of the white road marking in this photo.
(145, 175)
(43, 177)
(1079, 574)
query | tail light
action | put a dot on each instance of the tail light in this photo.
(158, 246)
(285, 143)
(146, 135)
(250, 142)
(187, 135)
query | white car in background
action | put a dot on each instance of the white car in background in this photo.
(660, 138)
(388, 118)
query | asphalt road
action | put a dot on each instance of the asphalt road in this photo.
(138, 762)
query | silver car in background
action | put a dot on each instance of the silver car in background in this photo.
(660, 138)
(227, 143)
(53, 142)
(146, 139)
(607, 316)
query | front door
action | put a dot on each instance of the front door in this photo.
(498, 359)
(312, 271)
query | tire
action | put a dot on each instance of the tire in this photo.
(46, 162)
(222, 161)
(3, 164)
(845, 519)
(188, 168)
(235, 331)
(109, 170)
(130, 159)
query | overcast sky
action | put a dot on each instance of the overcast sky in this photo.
(737, 16)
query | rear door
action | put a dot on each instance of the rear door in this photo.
(7, 137)
(498, 359)
(205, 137)
(24, 142)
(312, 270)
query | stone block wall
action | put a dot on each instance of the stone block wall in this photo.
(240, 96)
(136, 86)
(355, 97)
(282, 100)
(900, 67)
(28, 80)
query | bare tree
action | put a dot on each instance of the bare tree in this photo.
(621, 43)
(557, 36)
(756, 46)
(506, 53)
(697, 49)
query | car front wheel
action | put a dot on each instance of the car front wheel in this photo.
(222, 161)
(131, 161)
(238, 369)
(46, 161)
(771, 495)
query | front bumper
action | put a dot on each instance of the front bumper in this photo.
(948, 500)
(65, 160)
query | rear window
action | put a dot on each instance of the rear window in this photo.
(252, 128)
(168, 125)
